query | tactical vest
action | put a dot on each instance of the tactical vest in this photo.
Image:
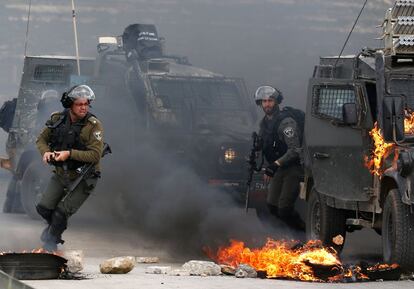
(65, 135)
(273, 147)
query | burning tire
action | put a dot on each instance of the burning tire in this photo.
(323, 222)
(398, 232)
(33, 183)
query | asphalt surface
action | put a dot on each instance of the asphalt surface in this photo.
(98, 243)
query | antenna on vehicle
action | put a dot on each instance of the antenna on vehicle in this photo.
(349, 35)
(27, 29)
(76, 35)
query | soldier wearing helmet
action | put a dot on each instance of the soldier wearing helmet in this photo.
(281, 145)
(71, 139)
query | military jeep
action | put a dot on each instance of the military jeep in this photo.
(350, 99)
(202, 119)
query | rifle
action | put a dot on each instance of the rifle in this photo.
(84, 172)
(251, 160)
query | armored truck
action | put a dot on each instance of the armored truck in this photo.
(200, 118)
(359, 143)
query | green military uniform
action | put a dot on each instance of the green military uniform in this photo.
(55, 207)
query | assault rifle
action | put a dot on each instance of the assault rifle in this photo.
(84, 172)
(253, 167)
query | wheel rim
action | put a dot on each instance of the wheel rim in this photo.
(315, 220)
(389, 239)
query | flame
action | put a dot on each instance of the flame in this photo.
(278, 258)
(382, 150)
(35, 251)
(285, 259)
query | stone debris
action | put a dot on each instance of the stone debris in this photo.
(75, 260)
(338, 240)
(228, 270)
(158, 269)
(118, 265)
(240, 274)
(147, 260)
(202, 268)
(245, 271)
(179, 272)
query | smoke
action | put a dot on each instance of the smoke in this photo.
(153, 193)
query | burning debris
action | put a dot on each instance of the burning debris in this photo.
(382, 150)
(297, 261)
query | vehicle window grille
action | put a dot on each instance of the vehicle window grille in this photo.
(329, 101)
(325, 71)
(49, 73)
(405, 87)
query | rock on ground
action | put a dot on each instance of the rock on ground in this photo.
(245, 271)
(228, 270)
(202, 268)
(118, 265)
(145, 260)
(158, 269)
(75, 260)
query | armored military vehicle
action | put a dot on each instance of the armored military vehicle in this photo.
(359, 150)
(202, 119)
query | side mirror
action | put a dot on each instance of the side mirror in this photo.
(349, 113)
(393, 119)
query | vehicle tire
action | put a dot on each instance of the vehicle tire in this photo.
(323, 222)
(398, 232)
(34, 182)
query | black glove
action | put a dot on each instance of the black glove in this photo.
(271, 170)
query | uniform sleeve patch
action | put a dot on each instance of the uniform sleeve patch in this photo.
(98, 135)
(289, 132)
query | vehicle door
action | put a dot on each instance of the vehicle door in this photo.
(335, 150)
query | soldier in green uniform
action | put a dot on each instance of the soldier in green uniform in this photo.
(281, 146)
(71, 139)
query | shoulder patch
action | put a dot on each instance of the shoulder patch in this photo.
(55, 116)
(289, 132)
(98, 135)
(93, 120)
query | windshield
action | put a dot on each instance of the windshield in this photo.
(203, 93)
(203, 102)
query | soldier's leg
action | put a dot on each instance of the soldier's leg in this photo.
(289, 193)
(69, 206)
(273, 195)
(50, 198)
(46, 208)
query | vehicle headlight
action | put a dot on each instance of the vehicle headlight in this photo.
(229, 155)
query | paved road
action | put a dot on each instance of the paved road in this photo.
(98, 243)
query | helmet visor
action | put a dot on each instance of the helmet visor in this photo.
(264, 92)
(82, 91)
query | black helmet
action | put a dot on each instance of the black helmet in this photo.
(266, 92)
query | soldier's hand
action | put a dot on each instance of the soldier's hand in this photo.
(62, 156)
(48, 156)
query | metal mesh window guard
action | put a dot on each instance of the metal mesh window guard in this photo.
(51, 73)
(328, 101)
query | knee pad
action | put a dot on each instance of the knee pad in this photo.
(45, 213)
(59, 223)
